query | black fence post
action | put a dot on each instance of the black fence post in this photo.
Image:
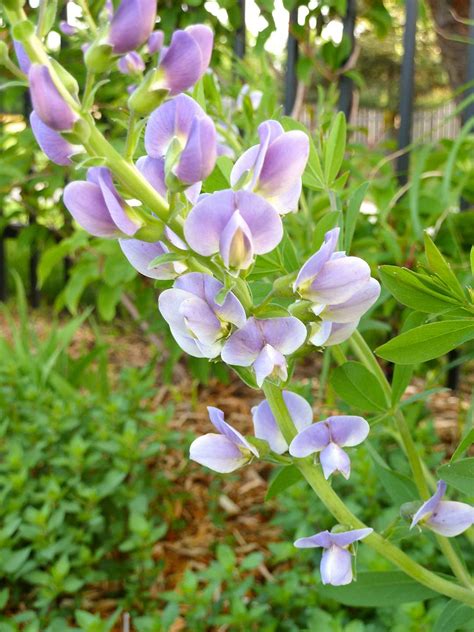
(407, 88)
(240, 33)
(291, 81)
(346, 85)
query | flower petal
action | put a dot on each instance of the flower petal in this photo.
(48, 104)
(338, 280)
(204, 38)
(270, 362)
(336, 566)
(85, 202)
(217, 452)
(132, 24)
(322, 539)
(285, 334)
(346, 538)
(314, 265)
(430, 505)
(236, 244)
(114, 202)
(262, 219)
(348, 430)
(356, 306)
(52, 143)
(198, 158)
(340, 332)
(141, 253)
(217, 418)
(181, 63)
(22, 56)
(451, 518)
(244, 345)
(284, 163)
(334, 459)
(312, 439)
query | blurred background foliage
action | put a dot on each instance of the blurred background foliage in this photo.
(91, 503)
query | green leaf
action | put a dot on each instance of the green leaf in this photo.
(427, 342)
(399, 487)
(464, 444)
(4, 595)
(358, 387)
(107, 299)
(15, 560)
(378, 590)
(220, 177)
(327, 222)
(352, 213)
(402, 373)
(334, 149)
(472, 260)
(453, 617)
(167, 257)
(459, 474)
(441, 267)
(284, 478)
(313, 176)
(410, 290)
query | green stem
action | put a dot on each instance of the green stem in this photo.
(13, 68)
(131, 141)
(88, 16)
(336, 506)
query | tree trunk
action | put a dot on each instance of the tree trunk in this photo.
(454, 54)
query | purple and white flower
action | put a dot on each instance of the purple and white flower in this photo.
(181, 121)
(274, 167)
(329, 437)
(198, 323)
(96, 205)
(131, 25)
(48, 104)
(223, 452)
(336, 561)
(265, 424)
(263, 345)
(57, 148)
(236, 224)
(446, 517)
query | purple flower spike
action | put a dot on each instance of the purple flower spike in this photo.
(22, 56)
(132, 25)
(336, 561)
(141, 253)
(276, 166)
(97, 206)
(266, 427)
(198, 324)
(263, 344)
(155, 42)
(53, 144)
(131, 64)
(47, 102)
(446, 517)
(182, 119)
(237, 224)
(329, 437)
(223, 452)
(330, 277)
(186, 59)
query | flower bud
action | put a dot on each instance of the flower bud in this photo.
(131, 25)
(131, 64)
(48, 104)
(98, 57)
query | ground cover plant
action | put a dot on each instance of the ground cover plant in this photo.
(215, 223)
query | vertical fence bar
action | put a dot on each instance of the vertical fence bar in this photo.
(346, 85)
(407, 87)
(291, 61)
(240, 33)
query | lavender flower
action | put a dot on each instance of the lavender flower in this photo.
(446, 517)
(131, 64)
(181, 132)
(223, 452)
(336, 562)
(131, 25)
(266, 427)
(263, 344)
(155, 42)
(198, 323)
(48, 104)
(273, 169)
(329, 437)
(153, 169)
(52, 143)
(97, 206)
(236, 224)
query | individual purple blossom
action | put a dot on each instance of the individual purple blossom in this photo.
(186, 59)
(265, 424)
(58, 149)
(131, 64)
(131, 25)
(199, 324)
(154, 171)
(274, 167)
(263, 344)
(336, 561)
(329, 437)
(181, 120)
(141, 253)
(155, 42)
(223, 452)
(330, 277)
(48, 104)
(22, 56)
(97, 206)
(236, 224)
(446, 517)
